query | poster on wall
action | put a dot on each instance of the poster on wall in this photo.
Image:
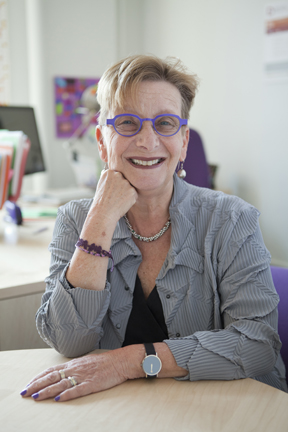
(276, 41)
(70, 101)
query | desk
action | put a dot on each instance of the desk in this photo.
(139, 405)
(23, 266)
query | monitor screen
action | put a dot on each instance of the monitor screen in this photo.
(16, 118)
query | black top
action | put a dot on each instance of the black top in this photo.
(146, 322)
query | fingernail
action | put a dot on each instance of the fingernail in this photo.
(57, 398)
(23, 392)
(35, 395)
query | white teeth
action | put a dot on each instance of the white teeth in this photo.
(145, 163)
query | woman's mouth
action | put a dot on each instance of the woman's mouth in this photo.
(146, 163)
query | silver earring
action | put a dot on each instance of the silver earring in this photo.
(181, 172)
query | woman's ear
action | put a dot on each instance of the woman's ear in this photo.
(101, 144)
(185, 144)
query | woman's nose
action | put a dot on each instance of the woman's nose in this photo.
(147, 137)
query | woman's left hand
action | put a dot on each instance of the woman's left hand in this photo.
(93, 373)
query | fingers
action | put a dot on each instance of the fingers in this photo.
(114, 194)
(53, 390)
(61, 391)
(46, 388)
(40, 382)
(46, 372)
(72, 393)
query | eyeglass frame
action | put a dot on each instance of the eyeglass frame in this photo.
(111, 122)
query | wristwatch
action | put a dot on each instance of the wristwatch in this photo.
(151, 363)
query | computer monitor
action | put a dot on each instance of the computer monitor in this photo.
(16, 118)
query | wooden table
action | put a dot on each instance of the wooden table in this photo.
(140, 405)
(24, 264)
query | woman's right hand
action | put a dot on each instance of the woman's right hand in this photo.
(113, 198)
(114, 195)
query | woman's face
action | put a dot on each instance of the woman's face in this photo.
(129, 154)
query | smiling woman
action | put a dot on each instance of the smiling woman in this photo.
(191, 293)
(147, 128)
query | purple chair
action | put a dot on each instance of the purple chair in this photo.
(196, 167)
(280, 279)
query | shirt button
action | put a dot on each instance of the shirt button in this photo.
(168, 296)
(177, 334)
(126, 288)
(118, 326)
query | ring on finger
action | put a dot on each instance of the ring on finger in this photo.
(73, 381)
(62, 374)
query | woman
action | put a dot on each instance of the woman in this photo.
(191, 276)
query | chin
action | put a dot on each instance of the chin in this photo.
(151, 183)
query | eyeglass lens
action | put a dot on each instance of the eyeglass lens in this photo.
(130, 125)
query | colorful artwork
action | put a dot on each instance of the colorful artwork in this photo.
(68, 93)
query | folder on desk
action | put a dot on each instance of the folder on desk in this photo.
(14, 148)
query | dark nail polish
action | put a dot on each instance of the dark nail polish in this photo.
(35, 395)
(23, 392)
(57, 398)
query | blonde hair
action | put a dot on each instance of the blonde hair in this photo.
(122, 79)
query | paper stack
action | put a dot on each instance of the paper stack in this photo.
(14, 148)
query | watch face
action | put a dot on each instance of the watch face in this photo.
(151, 365)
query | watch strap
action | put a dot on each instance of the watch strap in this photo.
(149, 347)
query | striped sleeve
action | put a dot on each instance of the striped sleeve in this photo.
(70, 319)
(248, 344)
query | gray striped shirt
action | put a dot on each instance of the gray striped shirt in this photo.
(215, 286)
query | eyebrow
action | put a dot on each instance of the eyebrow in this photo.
(132, 111)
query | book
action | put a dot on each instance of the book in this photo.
(16, 191)
(5, 174)
(15, 139)
(14, 148)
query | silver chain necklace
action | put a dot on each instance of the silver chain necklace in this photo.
(147, 239)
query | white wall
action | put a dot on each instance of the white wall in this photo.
(58, 37)
(18, 51)
(242, 119)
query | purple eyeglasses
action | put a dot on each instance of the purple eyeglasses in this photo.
(130, 124)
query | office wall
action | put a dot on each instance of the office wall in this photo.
(57, 37)
(241, 118)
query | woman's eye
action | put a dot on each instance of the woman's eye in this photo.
(165, 123)
(126, 122)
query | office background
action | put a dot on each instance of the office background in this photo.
(241, 117)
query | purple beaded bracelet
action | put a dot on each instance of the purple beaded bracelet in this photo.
(94, 250)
